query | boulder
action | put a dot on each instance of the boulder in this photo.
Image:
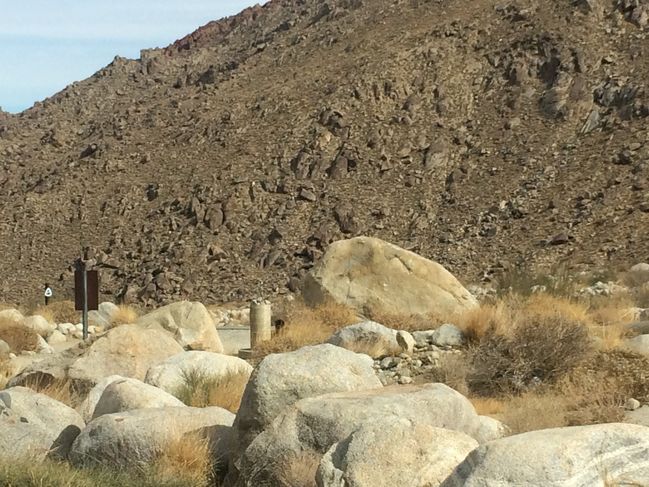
(638, 416)
(313, 425)
(168, 375)
(191, 324)
(11, 315)
(422, 456)
(127, 394)
(639, 344)
(491, 429)
(104, 315)
(56, 337)
(639, 327)
(131, 438)
(128, 350)
(35, 425)
(52, 368)
(368, 337)
(4, 348)
(406, 341)
(596, 455)
(376, 278)
(448, 335)
(87, 407)
(280, 380)
(40, 325)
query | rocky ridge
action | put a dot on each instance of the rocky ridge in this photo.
(221, 167)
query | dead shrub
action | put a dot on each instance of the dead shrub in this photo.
(539, 350)
(543, 306)
(412, 322)
(124, 315)
(488, 318)
(452, 370)
(186, 458)
(488, 406)
(18, 337)
(59, 312)
(62, 391)
(6, 370)
(201, 389)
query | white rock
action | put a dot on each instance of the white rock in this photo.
(314, 424)
(367, 337)
(134, 438)
(128, 350)
(631, 404)
(40, 325)
(127, 394)
(280, 380)
(394, 451)
(190, 323)
(639, 344)
(376, 277)
(448, 335)
(33, 424)
(168, 375)
(406, 341)
(491, 429)
(596, 455)
(12, 314)
(43, 346)
(4, 348)
(56, 337)
(87, 407)
(65, 328)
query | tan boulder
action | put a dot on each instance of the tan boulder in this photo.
(376, 277)
(191, 324)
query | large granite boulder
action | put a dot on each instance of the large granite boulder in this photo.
(33, 425)
(588, 456)
(191, 324)
(376, 278)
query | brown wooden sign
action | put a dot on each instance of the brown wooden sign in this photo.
(93, 290)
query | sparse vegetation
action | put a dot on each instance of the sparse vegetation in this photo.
(6, 370)
(304, 326)
(538, 349)
(58, 312)
(202, 389)
(62, 391)
(407, 322)
(124, 315)
(51, 474)
(18, 337)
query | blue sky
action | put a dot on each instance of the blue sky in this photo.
(47, 44)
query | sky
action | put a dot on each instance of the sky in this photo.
(47, 44)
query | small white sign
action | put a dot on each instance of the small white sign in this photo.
(48, 292)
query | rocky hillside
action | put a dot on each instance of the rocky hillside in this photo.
(482, 135)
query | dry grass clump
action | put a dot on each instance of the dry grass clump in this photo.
(303, 325)
(201, 389)
(58, 312)
(537, 350)
(6, 370)
(453, 371)
(187, 458)
(124, 315)
(59, 390)
(407, 322)
(488, 318)
(28, 473)
(18, 337)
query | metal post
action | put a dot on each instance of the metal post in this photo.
(85, 303)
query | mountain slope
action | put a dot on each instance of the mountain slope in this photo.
(482, 135)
